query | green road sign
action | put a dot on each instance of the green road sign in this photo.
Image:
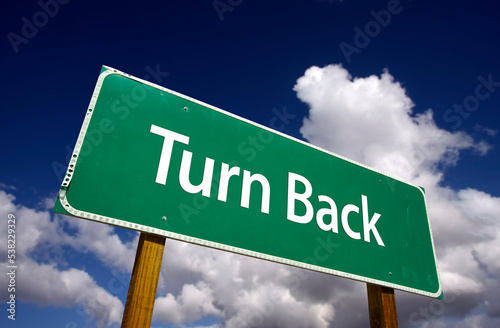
(153, 160)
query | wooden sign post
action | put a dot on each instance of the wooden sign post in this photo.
(144, 281)
(382, 307)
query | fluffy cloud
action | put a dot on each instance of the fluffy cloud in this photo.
(371, 120)
(194, 302)
(102, 241)
(68, 288)
(241, 291)
(40, 236)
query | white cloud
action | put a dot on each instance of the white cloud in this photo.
(68, 288)
(43, 277)
(488, 131)
(101, 240)
(194, 302)
(268, 305)
(240, 290)
(5, 186)
(371, 120)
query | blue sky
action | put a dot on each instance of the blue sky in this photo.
(406, 70)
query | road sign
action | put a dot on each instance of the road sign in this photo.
(153, 160)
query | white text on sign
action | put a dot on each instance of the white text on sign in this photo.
(226, 172)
